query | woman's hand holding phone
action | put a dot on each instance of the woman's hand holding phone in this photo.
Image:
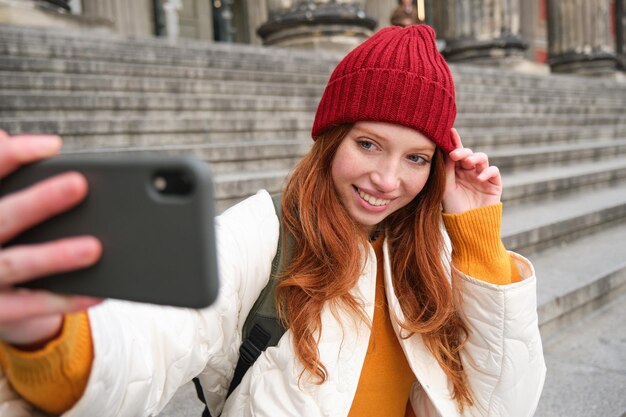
(29, 317)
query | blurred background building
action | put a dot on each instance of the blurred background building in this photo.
(571, 36)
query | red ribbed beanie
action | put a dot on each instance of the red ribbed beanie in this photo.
(396, 76)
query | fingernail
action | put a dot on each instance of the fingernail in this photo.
(73, 183)
(87, 249)
(46, 145)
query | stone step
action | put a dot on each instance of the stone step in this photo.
(255, 120)
(86, 121)
(169, 56)
(127, 103)
(49, 81)
(616, 93)
(480, 139)
(520, 193)
(539, 97)
(153, 49)
(81, 41)
(122, 142)
(76, 44)
(107, 103)
(202, 73)
(533, 227)
(512, 159)
(555, 182)
(242, 123)
(468, 73)
(171, 120)
(235, 186)
(576, 273)
(476, 101)
(586, 358)
(128, 50)
(112, 69)
(516, 120)
(228, 157)
(487, 139)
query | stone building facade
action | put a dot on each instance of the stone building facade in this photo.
(569, 36)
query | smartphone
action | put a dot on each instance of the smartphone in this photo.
(154, 217)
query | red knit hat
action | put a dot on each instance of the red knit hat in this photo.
(396, 76)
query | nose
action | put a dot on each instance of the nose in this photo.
(386, 176)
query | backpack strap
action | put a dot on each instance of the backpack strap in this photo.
(262, 327)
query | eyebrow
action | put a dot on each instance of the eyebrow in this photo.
(375, 135)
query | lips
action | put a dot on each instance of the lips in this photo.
(374, 201)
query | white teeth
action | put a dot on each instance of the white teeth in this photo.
(373, 200)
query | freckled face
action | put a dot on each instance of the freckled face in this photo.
(379, 168)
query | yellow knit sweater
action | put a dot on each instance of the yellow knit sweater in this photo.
(54, 377)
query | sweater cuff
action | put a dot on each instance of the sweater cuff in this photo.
(54, 377)
(477, 249)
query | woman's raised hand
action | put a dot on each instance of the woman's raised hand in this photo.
(470, 181)
(29, 316)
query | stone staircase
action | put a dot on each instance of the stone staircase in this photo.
(560, 141)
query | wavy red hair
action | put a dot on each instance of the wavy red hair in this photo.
(324, 265)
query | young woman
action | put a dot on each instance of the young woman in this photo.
(381, 319)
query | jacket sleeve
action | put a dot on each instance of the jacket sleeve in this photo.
(503, 357)
(144, 353)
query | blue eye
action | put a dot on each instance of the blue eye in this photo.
(365, 144)
(417, 159)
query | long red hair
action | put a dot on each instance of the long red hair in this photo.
(324, 265)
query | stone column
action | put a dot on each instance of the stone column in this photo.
(322, 25)
(579, 37)
(257, 15)
(620, 32)
(128, 17)
(223, 20)
(480, 31)
(53, 14)
(63, 5)
(381, 10)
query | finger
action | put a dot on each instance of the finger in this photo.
(460, 154)
(449, 166)
(3, 135)
(23, 209)
(24, 149)
(491, 174)
(478, 161)
(23, 304)
(25, 262)
(27, 331)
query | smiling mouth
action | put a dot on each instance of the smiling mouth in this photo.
(371, 200)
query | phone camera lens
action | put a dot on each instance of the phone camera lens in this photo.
(159, 183)
(174, 183)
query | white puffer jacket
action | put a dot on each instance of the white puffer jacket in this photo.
(144, 353)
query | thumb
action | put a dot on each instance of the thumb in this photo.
(449, 163)
(450, 173)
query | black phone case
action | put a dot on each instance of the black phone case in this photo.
(158, 243)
